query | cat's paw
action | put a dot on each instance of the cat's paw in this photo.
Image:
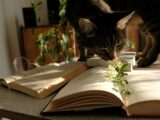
(143, 62)
(139, 56)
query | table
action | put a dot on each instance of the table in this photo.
(18, 106)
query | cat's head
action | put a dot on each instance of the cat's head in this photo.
(102, 35)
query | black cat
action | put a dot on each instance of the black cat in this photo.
(98, 29)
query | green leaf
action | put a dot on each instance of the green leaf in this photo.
(39, 3)
(115, 89)
(65, 38)
(63, 44)
(119, 80)
(128, 92)
(132, 44)
(126, 82)
(33, 5)
(124, 67)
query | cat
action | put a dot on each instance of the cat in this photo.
(98, 26)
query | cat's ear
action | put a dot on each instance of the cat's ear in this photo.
(124, 19)
(86, 25)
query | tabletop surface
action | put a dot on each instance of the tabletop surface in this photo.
(14, 104)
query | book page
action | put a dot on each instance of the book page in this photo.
(29, 73)
(96, 61)
(6, 81)
(91, 88)
(145, 87)
(48, 79)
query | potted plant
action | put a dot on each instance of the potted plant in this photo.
(55, 43)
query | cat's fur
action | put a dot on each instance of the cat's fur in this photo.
(96, 22)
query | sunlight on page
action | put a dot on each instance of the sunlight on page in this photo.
(11, 79)
(40, 80)
(29, 73)
(39, 70)
(93, 79)
(145, 86)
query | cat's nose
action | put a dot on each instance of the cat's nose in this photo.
(112, 56)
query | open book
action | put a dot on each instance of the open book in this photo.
(92, 89)
(42, 81)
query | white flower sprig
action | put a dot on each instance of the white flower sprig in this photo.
(116, 73)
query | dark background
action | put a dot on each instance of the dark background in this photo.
(53, 11)
(53, 14)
